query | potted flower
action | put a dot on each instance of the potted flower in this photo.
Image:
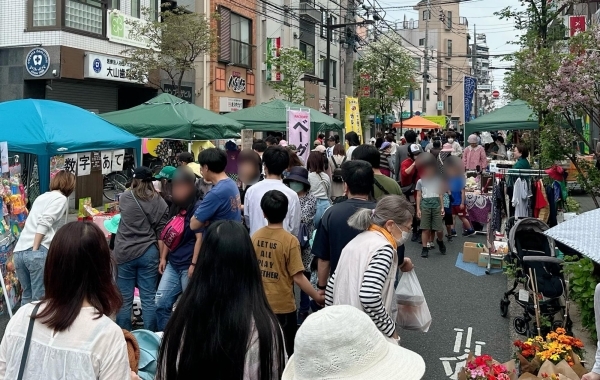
(485, 368)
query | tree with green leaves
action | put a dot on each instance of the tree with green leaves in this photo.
(291, 64)
(173, 43)
(388, 69)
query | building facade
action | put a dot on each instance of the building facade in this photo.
(482, 72)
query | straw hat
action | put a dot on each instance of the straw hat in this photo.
(349, 346)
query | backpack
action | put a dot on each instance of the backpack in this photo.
(303, 236)
(173, 232)
(336, 176)
(149, 344)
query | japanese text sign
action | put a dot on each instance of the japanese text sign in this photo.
(299, 132)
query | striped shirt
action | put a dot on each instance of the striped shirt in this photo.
(371, 289)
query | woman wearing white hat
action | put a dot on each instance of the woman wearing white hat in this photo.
(361, 353)
(365, 275)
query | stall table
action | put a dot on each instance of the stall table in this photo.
(479, 206)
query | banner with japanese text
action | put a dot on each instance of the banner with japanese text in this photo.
(352, 117)
(470, 84)
(299, 132)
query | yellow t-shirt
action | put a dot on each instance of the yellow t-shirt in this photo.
(279, 259)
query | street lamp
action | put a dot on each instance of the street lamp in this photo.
(330, 28)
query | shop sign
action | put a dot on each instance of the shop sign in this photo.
(230, 104)
(440, 106)
(106, 67)
(37, 62)
(185, 92)
(576, 25)
(120, 30)
(299, 132)
(322, 106)
(236, 82)
(273, 47)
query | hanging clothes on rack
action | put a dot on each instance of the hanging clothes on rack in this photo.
(552, 205)
(498, 205)
(542, 207)
(520, 198)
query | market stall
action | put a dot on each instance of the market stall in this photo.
(417, 122)
(516, 115)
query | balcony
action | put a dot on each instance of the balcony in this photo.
(309, 12)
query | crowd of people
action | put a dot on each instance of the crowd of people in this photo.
(215, 247)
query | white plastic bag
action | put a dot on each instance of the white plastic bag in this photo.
(408, 291)
(415, 318)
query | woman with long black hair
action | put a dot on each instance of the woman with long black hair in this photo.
(223, 327)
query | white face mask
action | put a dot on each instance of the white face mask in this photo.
(404, 238)
(450, 141)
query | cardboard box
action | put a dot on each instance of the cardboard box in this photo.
(471, 252)
(497, 260)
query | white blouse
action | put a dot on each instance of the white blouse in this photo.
(89, 349)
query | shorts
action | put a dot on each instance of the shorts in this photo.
(431, 219)
(448, 217)
(457, 211)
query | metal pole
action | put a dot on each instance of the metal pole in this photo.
(410, 99)
(474, 62)
(327, 64)
(401, 118)
(426, 62)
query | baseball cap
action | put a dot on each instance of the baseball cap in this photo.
(166, 173)
(385, 145)
(320, 149)
(415, 149)
(185, 157)
(143, 173)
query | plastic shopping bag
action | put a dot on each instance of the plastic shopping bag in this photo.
(408, 291)
(415, 318)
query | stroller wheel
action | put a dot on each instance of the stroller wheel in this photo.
(504, 307)
(521, 326)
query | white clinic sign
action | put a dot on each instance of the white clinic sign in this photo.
(106, 67)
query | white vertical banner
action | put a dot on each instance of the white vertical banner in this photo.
(4, 157)
(118, 156)
(84, 164)
(299, 132)
(106, 161)
(71, 163)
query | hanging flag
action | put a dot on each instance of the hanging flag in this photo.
(299, 132)
(272, 72)
(470, 84)
(352, 117)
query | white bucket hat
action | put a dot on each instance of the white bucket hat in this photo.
(341, 342)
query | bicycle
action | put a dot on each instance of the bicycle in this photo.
(117, 182)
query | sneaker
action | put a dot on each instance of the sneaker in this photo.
(425, 252)
(454, 234)
(302, 317)
(430, 245)
(442, 247)
(449, 237)
(470, 232)
(415, 237)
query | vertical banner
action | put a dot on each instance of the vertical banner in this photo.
(273, 46)
(84, 164)
(106, 158)
(470, 83)
(576, 25)
(117, 160)
(299, 132)
(3, 157)
(247, 138)
(71, 163)
(352, 117)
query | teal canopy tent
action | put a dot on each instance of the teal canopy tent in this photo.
(515, 115)
(47, 128)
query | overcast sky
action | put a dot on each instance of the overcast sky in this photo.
(480, 13)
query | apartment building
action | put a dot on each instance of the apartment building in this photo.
(447, 38)
(482, 72)
(71, 51)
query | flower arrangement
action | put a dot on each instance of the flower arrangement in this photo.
(485, 368)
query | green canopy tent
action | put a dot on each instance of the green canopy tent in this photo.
(271, 116)
(515, 115)
(169, 117)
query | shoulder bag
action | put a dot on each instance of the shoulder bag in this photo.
(27, 342)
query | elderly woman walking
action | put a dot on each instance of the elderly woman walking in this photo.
(365, 275)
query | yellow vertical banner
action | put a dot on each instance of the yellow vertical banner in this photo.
(352, 117)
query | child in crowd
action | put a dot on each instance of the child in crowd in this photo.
(448, 217)
(280, 263)
(456, 185)
(430, 206)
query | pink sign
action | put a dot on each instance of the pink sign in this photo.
(299, 132)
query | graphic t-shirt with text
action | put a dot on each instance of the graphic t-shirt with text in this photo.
(279, 259)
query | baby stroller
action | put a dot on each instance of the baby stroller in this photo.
(532, 254)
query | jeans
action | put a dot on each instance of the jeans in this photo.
(322, 205)
(142, 272)
(304, 298)
(172, 284)
(29, 265)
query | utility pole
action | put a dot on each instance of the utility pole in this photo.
(350, 33)
(426, 59)
(474, 64)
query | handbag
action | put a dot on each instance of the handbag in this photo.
(173, 232)
(27, 342)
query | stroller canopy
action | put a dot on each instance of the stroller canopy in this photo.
(528, 225)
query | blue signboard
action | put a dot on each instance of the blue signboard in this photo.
(37, 62)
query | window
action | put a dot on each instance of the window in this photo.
(427, 93)
(114, 4)
(333, 73)
(309, 55)
(250, 84)
(426, 15)
(154, 9)
(449, 83)
(220, 79)
(334, 21)
(322, 66)
(449, 20)
(449, 48)
(416, 94)
(135, 8)
(235, 32)
(421, 41)
(449, 104)
(323, 26)
(44, 13)
(417, 62)
(85, 15)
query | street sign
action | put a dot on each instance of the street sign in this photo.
(495, 94)
(440, 106)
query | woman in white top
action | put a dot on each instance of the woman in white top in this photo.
(353, 141)
(456, 148)
(34, 241)
(72, 336)
(224, 327)
(365, 275)
(335, 162)
(320, 183)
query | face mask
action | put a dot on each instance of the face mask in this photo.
(297, 186)
(404, 238)
(450, 141)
